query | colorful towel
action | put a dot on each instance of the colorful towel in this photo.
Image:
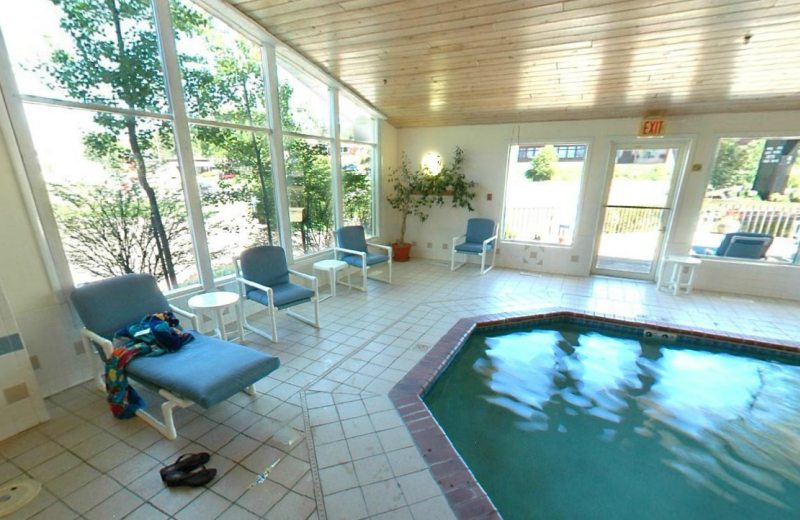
(154, 335)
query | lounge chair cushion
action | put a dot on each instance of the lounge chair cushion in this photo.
(372, 259)
(206, 371)
(284, 294)
(479, 229)
(473, 248)
(108, 305)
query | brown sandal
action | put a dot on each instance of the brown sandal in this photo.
(186, 463)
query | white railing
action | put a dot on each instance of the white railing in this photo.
(528, 223)
(779, 219)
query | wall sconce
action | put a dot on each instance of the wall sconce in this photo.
(432, 163)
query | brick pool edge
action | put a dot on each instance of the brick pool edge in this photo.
(465, 495)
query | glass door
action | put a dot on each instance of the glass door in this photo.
(638, 207)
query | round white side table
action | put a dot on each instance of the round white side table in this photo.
(682, 276)
(216, 302)
(332, 267)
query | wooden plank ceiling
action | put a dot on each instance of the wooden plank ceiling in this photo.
(446, 62)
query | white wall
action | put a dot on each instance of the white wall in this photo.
(21, 404)
(486, 150)
(46, 325)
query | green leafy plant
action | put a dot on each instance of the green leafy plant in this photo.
(415, 192)
(543, 165)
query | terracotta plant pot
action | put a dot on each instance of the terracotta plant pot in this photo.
(401, 252)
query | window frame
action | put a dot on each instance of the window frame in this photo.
(28, 170)
(717, 138)
(586, 141)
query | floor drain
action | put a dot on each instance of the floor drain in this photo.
(422, 347)
(17, 495)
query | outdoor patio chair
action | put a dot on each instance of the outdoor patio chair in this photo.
(263, 277)
(481, 238)
(205, 371)
(745, 245)
(351, 247)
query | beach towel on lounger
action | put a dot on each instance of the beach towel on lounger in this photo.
(154, 335)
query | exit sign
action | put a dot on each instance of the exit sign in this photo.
(651, 128)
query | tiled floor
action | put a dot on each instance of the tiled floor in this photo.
(321, 440)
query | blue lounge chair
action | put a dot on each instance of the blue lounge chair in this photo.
(263, 277)
(205, 371)
(745, 245)
(351, 247)
(481, 238)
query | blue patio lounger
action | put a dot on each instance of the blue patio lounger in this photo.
(205, 371)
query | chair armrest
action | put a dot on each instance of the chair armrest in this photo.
(106, 345)
(381, 246)
(456, 239)
(305, 276)
(186, 314)
(258, 286)
(337, 249)
(490, 239)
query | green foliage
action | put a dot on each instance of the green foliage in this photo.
(415, 192)
(308, 179)
(114, 60)
(736, 164)
(108, 228)
(357, 188)
(543, 165)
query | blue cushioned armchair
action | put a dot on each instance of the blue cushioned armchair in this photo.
(745, 245)
(263, 277)
(205, 371)
(351, 247)
(481, 238)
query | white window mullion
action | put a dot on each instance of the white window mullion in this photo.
(336, 159)
(32, 183)
(183, 141)
(270, 68)
(376, 179)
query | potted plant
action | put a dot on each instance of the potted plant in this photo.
(413, 192)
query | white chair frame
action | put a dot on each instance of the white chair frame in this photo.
(165, 427)
(364, 266)
(271, 308)
(482, 254)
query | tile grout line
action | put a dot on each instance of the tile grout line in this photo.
(312, 457)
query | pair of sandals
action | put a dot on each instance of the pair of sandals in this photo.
(188, 470)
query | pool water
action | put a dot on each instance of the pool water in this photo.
(569, 423)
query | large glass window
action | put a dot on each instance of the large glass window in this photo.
(356, 124)
(305, 103)
(543, 190)
(221, 70)
(115, 188)
(752, 206)
(234, 173)
(113, 176)
(357, 186)
(308, 181)
(105, 53)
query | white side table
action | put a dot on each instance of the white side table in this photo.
(216, 302)
(682, 276)
(332, 267)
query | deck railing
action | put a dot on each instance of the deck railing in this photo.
(779, 219)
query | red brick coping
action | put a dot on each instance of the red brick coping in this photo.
(463, 492)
